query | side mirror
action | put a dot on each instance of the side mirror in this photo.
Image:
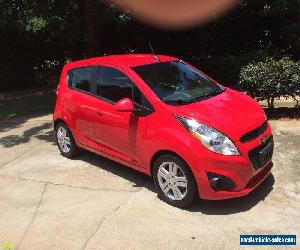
(124, 105)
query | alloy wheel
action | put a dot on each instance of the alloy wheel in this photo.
(172, 181)
(64, 140)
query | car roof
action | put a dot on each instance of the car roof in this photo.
(127, 60)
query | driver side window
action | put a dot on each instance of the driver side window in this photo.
(113, 85)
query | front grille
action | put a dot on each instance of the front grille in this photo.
(261, 155)
(254, 133)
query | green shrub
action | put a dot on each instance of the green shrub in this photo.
(225, 68)
(272, 79)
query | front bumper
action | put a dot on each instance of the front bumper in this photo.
(237, 168)
(250, 186)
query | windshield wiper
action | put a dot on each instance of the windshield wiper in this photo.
(177, 101)
(206, 96)
(203, 97)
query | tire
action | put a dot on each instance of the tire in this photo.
(65, 142)
(171, 174)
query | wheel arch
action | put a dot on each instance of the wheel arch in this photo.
(165, 152)
(57, 121)
(172, 153)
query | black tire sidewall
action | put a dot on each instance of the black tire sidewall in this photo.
(192, 190)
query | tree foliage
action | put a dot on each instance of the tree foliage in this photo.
(272, 79)
(37, 37)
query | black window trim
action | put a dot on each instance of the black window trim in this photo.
(93, 86)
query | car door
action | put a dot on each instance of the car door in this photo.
(121, 132)
(83, 105)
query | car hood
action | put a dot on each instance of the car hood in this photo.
(231, 112)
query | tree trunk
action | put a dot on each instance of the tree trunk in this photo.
(297, 101)
(269, 103)
(92, 44)
(272, 103)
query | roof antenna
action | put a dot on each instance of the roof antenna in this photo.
(153, 52)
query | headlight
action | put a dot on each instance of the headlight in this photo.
(211, 138)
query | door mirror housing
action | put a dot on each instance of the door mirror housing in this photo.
(124, 105)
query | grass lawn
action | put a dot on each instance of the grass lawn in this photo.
(30, 102)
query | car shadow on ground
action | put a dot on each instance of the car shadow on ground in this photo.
(222, 207)
(137, 178)
(236, 205)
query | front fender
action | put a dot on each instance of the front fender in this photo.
(178, 141)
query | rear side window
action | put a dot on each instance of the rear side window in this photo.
(113, 85)
(81, 78)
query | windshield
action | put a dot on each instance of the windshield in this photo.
(177, 83)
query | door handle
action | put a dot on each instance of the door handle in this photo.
(88, 108)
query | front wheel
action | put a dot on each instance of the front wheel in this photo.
(174, 181)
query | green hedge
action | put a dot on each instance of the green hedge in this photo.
(272, 79)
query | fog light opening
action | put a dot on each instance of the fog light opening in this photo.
(220, 182)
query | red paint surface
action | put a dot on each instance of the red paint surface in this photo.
(133, 141)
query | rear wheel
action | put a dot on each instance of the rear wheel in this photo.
(65, 140)
(174, 181)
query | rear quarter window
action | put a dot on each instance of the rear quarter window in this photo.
(81, 78)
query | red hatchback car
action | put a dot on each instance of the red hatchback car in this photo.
(167, 119)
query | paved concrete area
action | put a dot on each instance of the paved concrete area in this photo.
(49, 202)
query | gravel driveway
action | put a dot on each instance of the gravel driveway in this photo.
(50, 202)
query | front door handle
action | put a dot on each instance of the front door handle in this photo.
(89, 108)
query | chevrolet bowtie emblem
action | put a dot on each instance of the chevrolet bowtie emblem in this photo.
(263, 139)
